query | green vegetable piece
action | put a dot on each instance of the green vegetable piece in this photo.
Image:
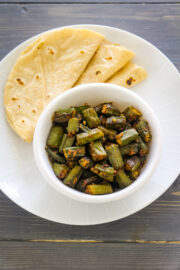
(96, 189)
(85, 162)
(80, 109)
(84, 182)
(60, 170)
(144, 130)
(126, 136)
(71, 163)
(123, 179)
(116, 122)
(73, 126)
(143, 148)
(79, 117)
(134, 174)
(73, 176)
(133, 163)
(108, 109)
(102, 119)
(63, 116)
(109, 133)
(98, 108)
(97, 151)
(86, 137)
(114, 156)
(143, 160)
(73, 153)
(87, 174)
(129, 149)
(55, 137)
(84, 128)
(54, 155)
(132, 114)
(66, 142)
(91, 117)
(104, 171)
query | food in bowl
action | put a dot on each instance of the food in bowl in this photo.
(57, 61)
(98, 150)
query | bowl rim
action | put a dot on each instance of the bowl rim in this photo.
(77, 195)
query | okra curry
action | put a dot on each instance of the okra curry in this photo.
(98, 150)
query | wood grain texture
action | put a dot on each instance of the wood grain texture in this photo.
(159, 24)
(158, 222)
(20, 255)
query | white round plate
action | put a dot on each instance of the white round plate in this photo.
(21, 181)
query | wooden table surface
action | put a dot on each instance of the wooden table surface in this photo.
(149, 239)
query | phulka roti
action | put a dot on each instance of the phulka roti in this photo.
(24, 93)
(107, 60)
(128, 76)
(46, 68)
(65, 55)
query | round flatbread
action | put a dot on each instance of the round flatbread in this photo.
(46, 68)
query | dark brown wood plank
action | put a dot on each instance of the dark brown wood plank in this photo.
(158, 24)
(21, 255)
(159, 221)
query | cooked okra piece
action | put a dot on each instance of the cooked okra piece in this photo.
(123, 179)
(73, 176)
(96, 189)
(73, 153)
(73, 126)
(85, 162)
(89, 136)
(144, 130)
(55, 136)
(109, 133)
(114, 156)
(97, 151)
(126, 136)
(116, 122)
(130, 149)
(79, 116)
(79, 109)
(66, 142)
(71, 163)
(109, 109)
(102, 119)
(84, 128)
(91, 117)
(133, 163)
(63, 116)
(54, 155)
(143, 148)
(84, 182)
(134, 174)
(104, 171)
(87, 174)
(98, 108)
(132, 114)
(60, 170)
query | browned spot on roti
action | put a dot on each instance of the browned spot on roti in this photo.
(130, 80)
(98, 72)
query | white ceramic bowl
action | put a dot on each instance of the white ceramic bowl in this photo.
(94, 94)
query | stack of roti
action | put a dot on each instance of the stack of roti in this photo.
(56, 62)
